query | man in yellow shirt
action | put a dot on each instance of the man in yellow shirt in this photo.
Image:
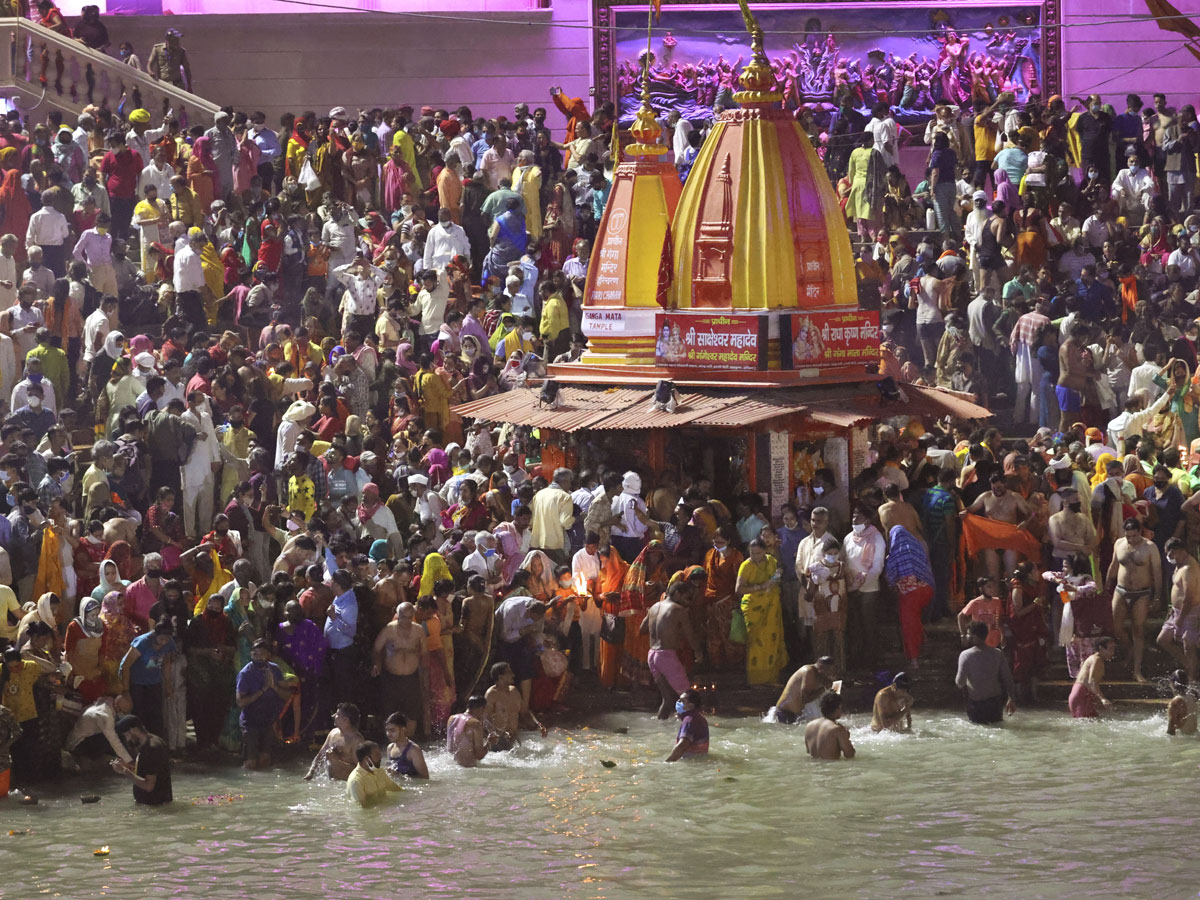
(556, 325)
(553, 513)
(368, 783)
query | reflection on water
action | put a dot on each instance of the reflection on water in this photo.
(1044, 807)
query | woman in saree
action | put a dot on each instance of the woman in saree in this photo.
(908, 572)
(864, 205)
(14, 202)
(302, 645)
(433, 570)
(608, 589)
(210, 672)
(508, 241)
(757, 584)
(644, 583)
(1184, 403)
(129, 567)
(119, 632)
(85, 634)
(202, 174)
(469, 513)
(89, 552)
(542, 585)
(559, 227)
(441, 668)
(721, 565)
(397, 177)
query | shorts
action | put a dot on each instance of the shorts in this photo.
(666, 663)
(1185, 631)
(986, 712)
(1069, 400)
(257, 741)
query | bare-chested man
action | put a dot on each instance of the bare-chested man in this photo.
(827, 738)
(503, 714)
(895, 511)
(402, 664)
(1181, 711)
(1180, 634)
(893, 706)
(337, 753)
(1002, 505)
(1070, 530)
(1135, 582)
(803, 690)
(387, 594)
(465, 736)
(669, 625)
(472, 643)
(1085, 693)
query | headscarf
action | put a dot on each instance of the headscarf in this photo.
(140, 344)
(122, 554)
(370, 502)
(379, 550)
(403, 363)
(907, 558)
(1101, 474)
(111, 349)
(119, 630)
(633, 590)
(546, 582)
(106, 586)
(686, 574)
(202, 150)
(439, 466)
(45, 612)
(86, 608)
(433, 570)
(1133, 465)
(1006, 191)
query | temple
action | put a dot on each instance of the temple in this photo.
(722, 315)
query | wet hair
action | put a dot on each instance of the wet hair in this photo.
(979, 630)
(350, 711)
(499, 669)
(830, 702)
(399, 719)
(691, 696)
(476, 701)
(365, 749)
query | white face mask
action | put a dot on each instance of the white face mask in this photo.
(35, 402)
(860, 527)
(818, 490)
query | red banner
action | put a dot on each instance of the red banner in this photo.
(834, 338)
(706, 341)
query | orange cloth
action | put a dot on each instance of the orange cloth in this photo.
(981, 533)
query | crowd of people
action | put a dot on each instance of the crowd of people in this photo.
(236, 493)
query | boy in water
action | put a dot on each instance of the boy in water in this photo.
(692, 739)
(503, 714)
(827, 738)
(1181, 711)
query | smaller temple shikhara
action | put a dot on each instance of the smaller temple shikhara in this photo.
(748, 267)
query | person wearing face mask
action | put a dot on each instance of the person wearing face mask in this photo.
(1133, 190)
(32, 412)
(1093, 130)
(1071, 531)
(261, 692)
(199, 469)
(864, 551)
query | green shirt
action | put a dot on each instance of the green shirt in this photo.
(54, 367)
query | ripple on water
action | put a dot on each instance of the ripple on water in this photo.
(1043, 807)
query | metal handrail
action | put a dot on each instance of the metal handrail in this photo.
(72, 76)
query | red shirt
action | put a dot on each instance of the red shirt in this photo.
(199, 383)
(121, 171)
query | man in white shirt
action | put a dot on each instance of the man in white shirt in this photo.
(519, 620)
(445, 241)
(1132, 421)
(1141, 379)
(198, 472)
(33, 375)
(189, 279)
(95, 732)
(430, 307)
(97, 326)
(48, 229)
(864, 550)
(24, 320)
(359, 302)
(1184, 256)
(1133, 189)
(159, 173)
(8, 271)
(38, 274)
(553, 514)
(629, 534)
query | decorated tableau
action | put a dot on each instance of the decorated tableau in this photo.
(911, 55)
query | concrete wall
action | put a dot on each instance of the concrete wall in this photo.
(1122, 57)
(294, 62)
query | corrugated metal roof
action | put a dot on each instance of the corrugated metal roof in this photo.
(849, 413)
(937, 402)
(580, 408)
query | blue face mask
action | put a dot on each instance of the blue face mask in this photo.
(490, 551)
(35, 377)
(679, 707)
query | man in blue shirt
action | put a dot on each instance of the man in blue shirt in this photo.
(261, 693)
(268, 147)
(1096, 301)
(143, 668)
(340, 629)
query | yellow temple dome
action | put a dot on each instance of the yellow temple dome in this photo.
(758, 225)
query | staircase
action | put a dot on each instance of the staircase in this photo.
(45, 70)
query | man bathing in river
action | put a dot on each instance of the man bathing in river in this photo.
(338, 751)
(893, 706)
(800, 696)
(1180, 634)
(401, 661)
(369, 782)
(692, 739)
(503, 714)
(1135, 582)
(1181, 711)
(465, 739)
(669, 625)
(984, 677)
(827, 738)
(1086, 691)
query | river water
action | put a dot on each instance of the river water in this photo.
(1043, 807)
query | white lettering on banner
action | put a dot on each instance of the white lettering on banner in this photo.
(600, 322)
(602, 279)
(607, 295)
(713, 339)
(869, 332)
(813, 265)
(608, 268)
(812, 290)
(609, 253)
